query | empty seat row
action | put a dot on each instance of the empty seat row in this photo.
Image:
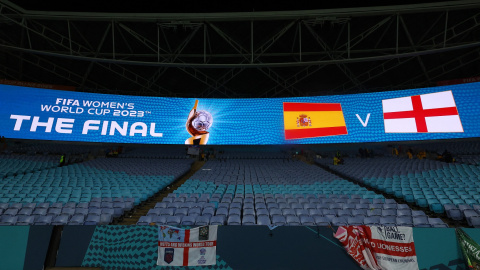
(62, 219)
(278, 220)
(200, 197)
(439, 186)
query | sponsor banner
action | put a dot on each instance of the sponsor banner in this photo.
(459, 81)
(470, 249)
(193, 247)
(417, 114)
(379, 247)
(37, 85)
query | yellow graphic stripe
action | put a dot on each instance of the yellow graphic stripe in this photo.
(319, 119)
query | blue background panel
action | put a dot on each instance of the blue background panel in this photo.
(13, 246)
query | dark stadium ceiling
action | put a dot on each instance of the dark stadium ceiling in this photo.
(229, 51)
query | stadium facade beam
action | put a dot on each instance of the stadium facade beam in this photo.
(430, 51)
(247, 16)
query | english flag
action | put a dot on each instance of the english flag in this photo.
(181, 247)
(435, 113)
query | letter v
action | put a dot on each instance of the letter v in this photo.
(364, 124)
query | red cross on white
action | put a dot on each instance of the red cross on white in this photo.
(435, 112)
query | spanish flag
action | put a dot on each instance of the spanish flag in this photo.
(310, 120)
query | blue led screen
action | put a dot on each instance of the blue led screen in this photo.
(416, 114)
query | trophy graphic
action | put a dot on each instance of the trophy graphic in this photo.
(198, 123)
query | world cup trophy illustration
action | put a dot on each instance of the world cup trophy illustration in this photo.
(198, 123)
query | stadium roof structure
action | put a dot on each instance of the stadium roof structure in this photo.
(255, 54)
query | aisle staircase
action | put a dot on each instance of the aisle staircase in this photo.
(143, 208)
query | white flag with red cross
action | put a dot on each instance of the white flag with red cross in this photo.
(181, 247)
(428, 113)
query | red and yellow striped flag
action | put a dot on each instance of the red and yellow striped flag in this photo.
(309, 120)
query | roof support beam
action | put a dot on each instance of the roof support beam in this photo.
(310, 70)
(436, 72)
(258, 53)
(327, 49)
(57, 39)
(57, 70)
(160, 71)
(463, 27)
(90, 65)
(410, 40)
(193, 72)
(241, 48)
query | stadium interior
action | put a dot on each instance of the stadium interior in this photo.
(233, 52)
